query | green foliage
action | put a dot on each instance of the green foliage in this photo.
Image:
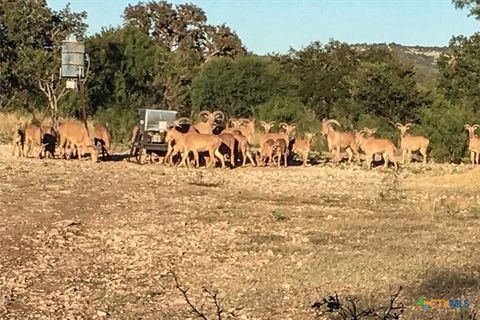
(30, 35)
(320, 70)
(460, 70)
(472, 5)
(289, 110)
(279, 216)
(345, 82)
(443, 122)
(386, 90)
(238, 86)
(119, 124)
(183, 27)
(124, 64)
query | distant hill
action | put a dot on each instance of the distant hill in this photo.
(423, 58)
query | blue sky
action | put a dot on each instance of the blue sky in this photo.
(267, 26)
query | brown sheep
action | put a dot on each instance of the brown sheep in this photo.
(33, 140)
(18, 140)
(103, 137)
(73, 134)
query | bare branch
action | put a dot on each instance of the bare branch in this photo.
(183, 291)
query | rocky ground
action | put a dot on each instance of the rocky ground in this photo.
(82, 240)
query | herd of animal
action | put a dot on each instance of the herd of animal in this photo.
(72, 139)
(232, 142)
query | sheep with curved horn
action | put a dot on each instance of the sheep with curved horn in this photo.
(473, 143)
(302, 147)
(267, 126)
(289, 128)
(195, 143)
(409, 143)
(372, 146)
(207, 126)
(338, 140)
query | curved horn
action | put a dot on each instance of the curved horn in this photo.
(219, 115)
(475, 126)
(369, 131)
(204, 113)
(398, 125)
(361, 132)
(408, 125)
(271, 123)
(467, 126)
(334, 121)
(263, 123)
(182, 120)
(282, 125)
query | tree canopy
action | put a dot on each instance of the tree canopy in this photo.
(168, 56)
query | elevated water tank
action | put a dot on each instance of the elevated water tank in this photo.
(73, 58)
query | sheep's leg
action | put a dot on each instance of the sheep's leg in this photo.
(350, 155)
(369, 159)
(220, 157)
(424, 155)
(196, 157)
(249, 155)
(385, 158)
(232, 155)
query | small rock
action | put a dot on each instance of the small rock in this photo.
(101, 313)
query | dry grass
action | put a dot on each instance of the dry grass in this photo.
(84, 240)
(8, 121)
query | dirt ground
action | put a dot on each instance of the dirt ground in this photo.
(82, 240)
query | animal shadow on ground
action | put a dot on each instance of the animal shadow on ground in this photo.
(438, 283)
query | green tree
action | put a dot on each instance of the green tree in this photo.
(183, 28)
(443, 122)
(125, 66)
(460, 70)
(321, 70)
(31, 34)
(238, 86)
(472, 5)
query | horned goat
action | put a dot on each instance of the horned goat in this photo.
(289, 128)
(195, 143)
(409, 143)
(244, 148)
(235, 126)
(302, 147)
(245, 127)
(372, 146)
(267, 126)
(33, 140)
(266, 153)
(338, 140)
(229, 140)
(207, 126)
(75, 135)
(473, 143)
(182, 125)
